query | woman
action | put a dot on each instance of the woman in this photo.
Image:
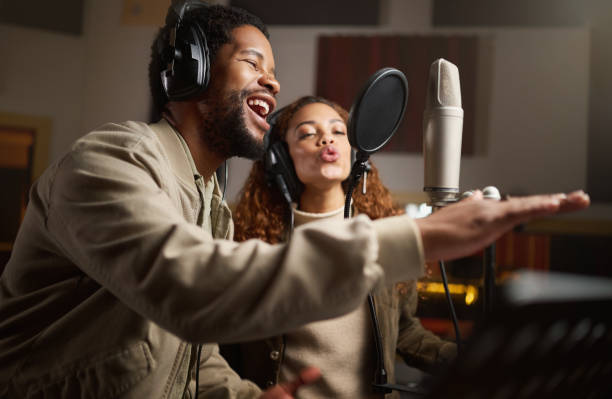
(315, 132)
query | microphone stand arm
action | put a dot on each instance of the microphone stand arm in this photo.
(358, 169)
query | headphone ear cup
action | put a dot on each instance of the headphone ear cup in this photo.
(279, 165)
(191, 64)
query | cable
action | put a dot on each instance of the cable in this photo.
(451, 306)
(225, 179)
(380, 378)
(282, 186)
(291, 220)
(488, 280)
(198, 371)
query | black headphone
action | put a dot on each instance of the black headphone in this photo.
(278, 165)
(185, 54)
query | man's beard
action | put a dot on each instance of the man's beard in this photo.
(224, 128)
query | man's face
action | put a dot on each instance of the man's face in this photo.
(241, 95)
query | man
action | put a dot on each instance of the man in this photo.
(115, 276)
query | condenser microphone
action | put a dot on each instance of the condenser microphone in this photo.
(442, 133)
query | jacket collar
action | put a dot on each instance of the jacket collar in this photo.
(184, 168)
(179, 157)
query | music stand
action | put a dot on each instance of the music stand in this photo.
(550, 337)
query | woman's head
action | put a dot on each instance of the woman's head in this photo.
(315, 132)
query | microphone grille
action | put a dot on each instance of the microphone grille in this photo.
(444, 89)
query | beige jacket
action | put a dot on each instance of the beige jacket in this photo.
(110, 275)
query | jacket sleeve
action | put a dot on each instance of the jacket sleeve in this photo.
(112, 215)
(418, 346)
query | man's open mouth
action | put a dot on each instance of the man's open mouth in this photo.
(260, 106)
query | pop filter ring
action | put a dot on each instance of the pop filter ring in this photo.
(357, 111)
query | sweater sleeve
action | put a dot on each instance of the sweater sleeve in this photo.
(418, 346)
(218, 381)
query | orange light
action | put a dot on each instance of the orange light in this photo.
(469, 291)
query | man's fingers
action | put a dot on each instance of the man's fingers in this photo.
(475, 195)
(524, 208)
(520, 209)
(574, 201)
(307, 376)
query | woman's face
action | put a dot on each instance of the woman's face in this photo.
(319, 146)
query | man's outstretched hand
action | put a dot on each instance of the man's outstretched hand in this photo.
(470, 225)
(287, 390)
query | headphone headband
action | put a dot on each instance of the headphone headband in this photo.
(180, 8)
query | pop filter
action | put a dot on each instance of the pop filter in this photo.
(378, 110)
(374, 117)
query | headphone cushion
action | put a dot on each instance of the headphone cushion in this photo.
(278, 162)
(191, 64)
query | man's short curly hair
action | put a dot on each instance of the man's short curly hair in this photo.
(217, 23)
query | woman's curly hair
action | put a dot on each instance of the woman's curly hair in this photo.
(262, 212)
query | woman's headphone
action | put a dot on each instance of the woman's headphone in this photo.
(278, 165)
(185, 54)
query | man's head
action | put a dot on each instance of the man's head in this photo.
(232, 110)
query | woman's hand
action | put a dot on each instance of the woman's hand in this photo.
(287, 390)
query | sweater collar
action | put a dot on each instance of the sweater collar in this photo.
(302, 217)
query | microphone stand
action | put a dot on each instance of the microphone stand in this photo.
(440, 198)
(380, 384)
(380, 378)
(488, 280)
(490, 193)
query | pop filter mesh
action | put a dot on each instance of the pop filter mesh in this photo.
(379, 112)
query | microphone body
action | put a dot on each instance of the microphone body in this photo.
(442, 134)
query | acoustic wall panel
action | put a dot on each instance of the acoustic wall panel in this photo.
(524, 13)
(65, 16)
(313, 12)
